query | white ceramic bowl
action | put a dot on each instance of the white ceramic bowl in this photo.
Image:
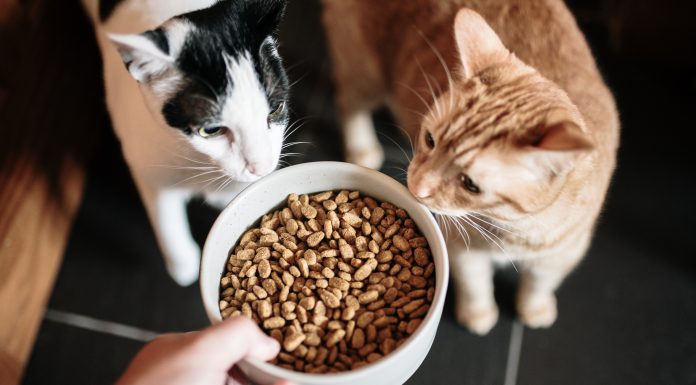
(269, 193)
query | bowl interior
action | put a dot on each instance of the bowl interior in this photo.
(271, 192)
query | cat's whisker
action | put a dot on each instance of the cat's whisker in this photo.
(290, 144)
(196, 176)
(413, 149)
(489, 237)
(430, 87)
(294, 83)
(479, 217)
(193, 160)
(450, 81)
(291, 153)
(418, 95)
(408, 159)
(175, 167)
(224, 184)
(213, 180)
(442, 222)
(461, 229)
(296, 125)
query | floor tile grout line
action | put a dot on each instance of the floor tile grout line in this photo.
(98, 325)
(514, 350)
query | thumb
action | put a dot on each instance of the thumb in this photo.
(222, 345)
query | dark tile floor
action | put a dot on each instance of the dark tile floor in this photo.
(627, 315)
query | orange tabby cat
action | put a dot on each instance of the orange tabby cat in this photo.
(515, 131)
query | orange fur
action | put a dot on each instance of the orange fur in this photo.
(514, 102)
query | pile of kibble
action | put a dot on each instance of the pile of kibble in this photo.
(339, 279)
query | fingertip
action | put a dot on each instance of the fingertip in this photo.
(265, 349)
(261, 345)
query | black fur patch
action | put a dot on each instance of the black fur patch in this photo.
(159, 38)
(233, 28)
(106, 8)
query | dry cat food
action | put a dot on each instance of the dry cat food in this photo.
(339, 279)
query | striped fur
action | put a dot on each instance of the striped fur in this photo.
(525, 132)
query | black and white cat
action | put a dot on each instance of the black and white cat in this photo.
(206, 113)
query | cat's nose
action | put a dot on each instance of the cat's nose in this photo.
(419, 190)
(258, 169)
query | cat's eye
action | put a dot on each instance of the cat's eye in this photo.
(277, 113)
(469, 184)
(429, 140)
(211, 131)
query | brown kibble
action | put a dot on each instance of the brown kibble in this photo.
(368, 296)
(372, 357)
(421, 256)
(329, 205)
(352, 219)
(420, 312)
(390, 294)
(404, 275)
(264, 269)
(340, 280)
(339, 283)
(322, 196)
(371, 333)
(313, 339)
(304, 267)
(401, 243)
(348, 314)
(365, 319)
(367, 349)
(264, 309)
(307, 303)
(412, 325)
(293, 341)
(334, 336)
(387, 346)
(358, 340)
(413, 305)
(418, 242)
(315, 238)
(330, 299)
(274, 322)
(364, 271)
(417, 282)
(259, 292)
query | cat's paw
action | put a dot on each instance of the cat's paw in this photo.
(183, 268)
(370, 157)
(540, 313)
(478, 320)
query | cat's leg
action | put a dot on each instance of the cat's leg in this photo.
(536, 298)
(472, 272)
(360, 140)
(358, 83)
(166, 209)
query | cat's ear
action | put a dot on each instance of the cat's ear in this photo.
(266, 14)
(479, 46)
(145, 55)
(558, 142)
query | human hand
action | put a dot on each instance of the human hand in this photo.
(206, 357)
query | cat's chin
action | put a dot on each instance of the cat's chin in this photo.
(246, 178)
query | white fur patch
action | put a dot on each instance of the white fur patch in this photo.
(251, 149)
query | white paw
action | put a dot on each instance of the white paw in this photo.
(478, 320)
(539, 313)
(370, 157)
(183, 268)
